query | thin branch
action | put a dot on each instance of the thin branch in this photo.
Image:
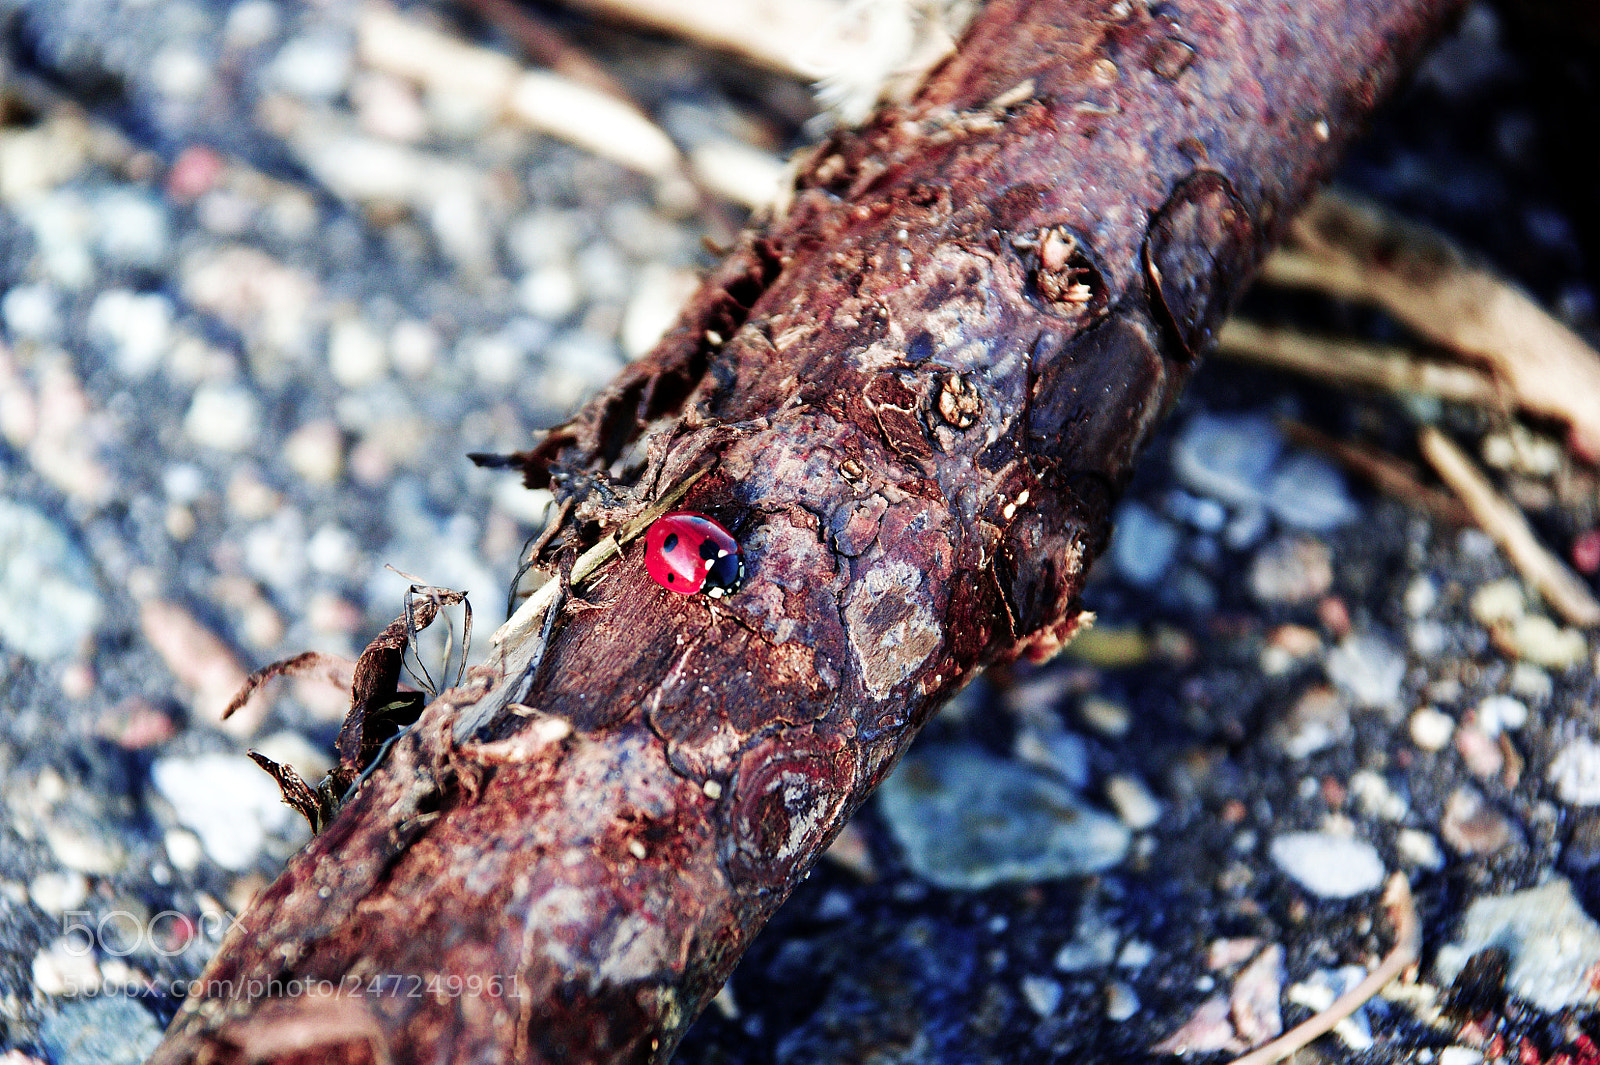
(1500, 518)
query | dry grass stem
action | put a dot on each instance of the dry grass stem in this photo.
(1497, 516)
(1355, 250)
(557, 106)
(1387, 368)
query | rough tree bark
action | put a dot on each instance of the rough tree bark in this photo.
(913, 396)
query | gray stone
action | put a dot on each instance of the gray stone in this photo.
(48, 601)
(1308, 493)
(1227, 457)
(1143, 545)
(967, 820)
(1368, 669)
(1553, 946)
(105, 1029)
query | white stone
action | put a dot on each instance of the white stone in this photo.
(223, 416)
(227, 801)
(356, 354)
(1329, 866)
(1431, 728)
(136, 327)
(31, 312)
(1553, 945)
(1042, 994)
(1133, 802)
(1499, 713)
(1575, 773)
(315, 67)
(1368, 669)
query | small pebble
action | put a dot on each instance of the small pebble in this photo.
(133, 229)
(31, 312)
(1328, 866)
(1291, 569)
(356, 354)
(1376, 798)
(49, 600)
(1575, 773)
(136, 328)
(1308, 492)
(1121, 1002)
(1431, 728)
(1532, 683)
(1093, 946)
(1455, 1055)
(1042, 994)
(1106, 716)
(55, 893)
(315, 451)
(1419, 849)
(1479, 753)
(1499, 713)
(1421, 596)
(222, 416)
(1132, 800)
(1498, 601)
(316, 67)
(1537, 639)
(1202, 512)
(1473, 826)
(1228, 457)
(1369, 669)
(227, 801)
(1143, 544)
(66, 968)
(1319, 718)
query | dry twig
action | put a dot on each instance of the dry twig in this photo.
(1355, 250)
(1504, 523)
(1385, 367)
(1407, 948)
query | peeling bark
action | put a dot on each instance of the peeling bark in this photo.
(917, 391)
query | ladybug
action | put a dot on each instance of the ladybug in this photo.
(687, 553)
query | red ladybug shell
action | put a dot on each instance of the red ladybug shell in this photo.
(687, 553)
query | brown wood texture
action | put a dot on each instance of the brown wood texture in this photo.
(916, 391)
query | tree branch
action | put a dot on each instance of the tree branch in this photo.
(914, 396)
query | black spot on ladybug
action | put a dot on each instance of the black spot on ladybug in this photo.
(709, 550)
(670, 544)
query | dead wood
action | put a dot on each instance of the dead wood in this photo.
(914, 395)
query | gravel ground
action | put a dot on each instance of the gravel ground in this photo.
(257, 301)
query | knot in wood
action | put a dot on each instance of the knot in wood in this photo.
(1065, 279)
(1201, 242)
(958, 402)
